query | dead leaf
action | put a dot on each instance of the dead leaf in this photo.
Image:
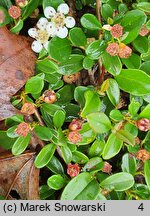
(18, 176)
(17, 63)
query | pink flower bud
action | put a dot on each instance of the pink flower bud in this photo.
(49, 96)
(144, 31)
(74, 137)
(107, 167)
(71, 78)
(117, 31)
(14, 12)
(28, 109)
(22, 129)
(76, 124)
(73, 170)
(143, 124)
(124, 51)
(113, 49)
(143, 155)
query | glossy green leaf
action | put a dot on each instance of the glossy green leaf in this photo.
(141, 44)
(94, 164)
(88, 63)
(56, 182)
(72, 65)
(6, 17)
(129, 164)
(133, 62)
(112, 147)
(31, 6)
(126, 137)
(79, 94)
(46, 66)
(44, 133)
(91, 97)
(145, 112)
(87, 134)
(82, 187)
(112, 63)
(99, 122)
(106, 11)
(113, 92)
(66, 94)
(5, 141)
(59, 49)
(34, 85)
(95, 49)
(20, 144)
(45, 155)
(51, 108)
(77, 37)
(96, 148)
(116, 115)
(147, 172)
(132, 129)
(144, 6)
(45, 192)
(55, 166)
(134, 107)
(134, 81)
(66, 154)
(11, 132)
(52, 3)
(59, 118)
(17, 28)
(145, 67)
(90, 21)
(79, 157)
(119, 182)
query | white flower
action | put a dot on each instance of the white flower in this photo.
(40, 34)
(58, 22)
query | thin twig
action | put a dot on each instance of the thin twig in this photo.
(39, 117)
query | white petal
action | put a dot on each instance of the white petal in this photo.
(36, 46)
(32, 32)
(49, 12)
(50, 28)
(63, 8)
(62, 32)
(42, 23)
(70, 22)
(46, 45)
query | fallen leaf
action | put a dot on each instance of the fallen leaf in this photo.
(18, 176)
(17, 63)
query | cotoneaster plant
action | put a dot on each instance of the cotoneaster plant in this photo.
(88, 102)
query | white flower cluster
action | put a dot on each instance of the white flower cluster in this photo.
(55, 24)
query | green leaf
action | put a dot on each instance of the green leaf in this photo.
(116, 115)
(34, 85)
(88, 63)
(113, 92)
(141, 44)
(6, 3)
(112, 147)
(79, 157)
(46, 66)
(90, 21)
(132, 129)
(66, 154)
(99, 122)
(134, 107)
(72, 65)
(112, 63)
(129, 164)
(55, 166)
(126, 137)
(77, 37)
(45, 155)
(45, 192)
(145, 112)
(144, 6)
(17, 28)
(145, 67)
(52, 3)
(106, 11)
(119, 182)
(44, 133)
(87, 134)
(91, 97)
(56, 182)
(79, 94)
(59, 49)
(20, 144)
(94, 164)
(11, 132)
(6, 17)
(147, 172)
(5, 141)
(66, 94)
(96, 148)
(95, 49)
(82, 187)
(133, 62)
(50, 108)
(59, 118)
(134, 81)
(31, 6)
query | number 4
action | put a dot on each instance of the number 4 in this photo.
(141, 207)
